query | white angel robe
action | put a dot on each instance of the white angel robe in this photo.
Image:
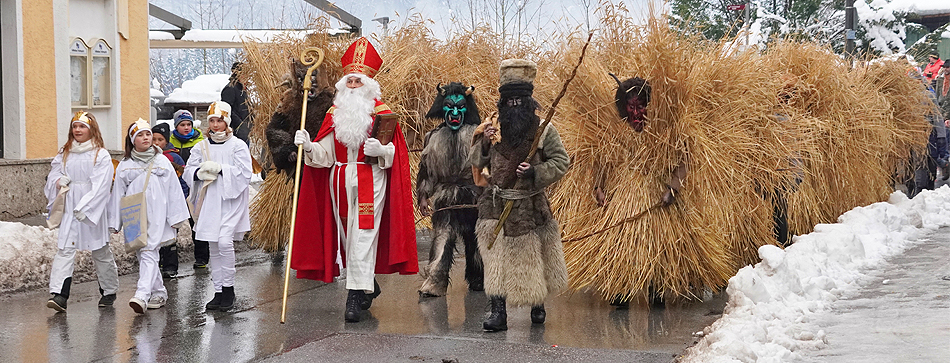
(164, 207)
(164, 200)
(224, 212)
(90, 173)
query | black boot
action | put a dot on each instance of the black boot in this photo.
(215, 302)
(498, 319)
(368, 299)
(227, 298)
(354, 302)
(621, 302)
(538, 314)
(58, 301)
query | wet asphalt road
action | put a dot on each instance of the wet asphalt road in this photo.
(398, 328)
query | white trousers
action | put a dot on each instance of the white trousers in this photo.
(150, 278)
(222, 262)
(360, 244)
(106, 271)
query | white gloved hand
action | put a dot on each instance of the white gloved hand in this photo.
(80, 216)
(63, 181)
(208, 170)
(302, 137)
(113, 230)
(372, 147)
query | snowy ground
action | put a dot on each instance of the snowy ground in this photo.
(773, 306)
(26, 253)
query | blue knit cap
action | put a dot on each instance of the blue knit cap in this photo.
(183, 115)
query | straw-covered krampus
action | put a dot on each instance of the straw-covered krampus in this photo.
(286, 119)
(445, 180)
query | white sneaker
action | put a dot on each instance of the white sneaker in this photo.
(138, 305)
(156, 302)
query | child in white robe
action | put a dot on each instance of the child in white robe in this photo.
(219, 175)
(165, 209)
(83, 167)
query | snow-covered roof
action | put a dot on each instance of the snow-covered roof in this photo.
(919, 7)
(203, 89)
(224, 38)
(154, 93)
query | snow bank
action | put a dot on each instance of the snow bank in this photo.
(26, 254)
(768, 316)
(203, 89)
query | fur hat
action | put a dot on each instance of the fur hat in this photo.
(183, 115)
(517, 71)
(220, 109)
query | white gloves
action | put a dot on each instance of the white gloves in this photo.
(208, 170)
(302, 137)
(63, 181)
(80, 216)
(372, 147)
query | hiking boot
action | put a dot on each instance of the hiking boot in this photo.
(227, 298)
(200, 264)
(138, 305)
(156, 302)
(354, 303)
(57, 302)
(106, 300)
(169, 274)
(498, 318)
(215, 302)
(368, 299)
(538, 314)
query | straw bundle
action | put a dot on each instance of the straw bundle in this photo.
(853, 142)
(709, 112)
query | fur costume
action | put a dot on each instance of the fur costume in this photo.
(526, 261)
(286, 119)
(445, 180)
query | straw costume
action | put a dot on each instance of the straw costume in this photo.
(445, 180)
(525, 262)
(365, 208)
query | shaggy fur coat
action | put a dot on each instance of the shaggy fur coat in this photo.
(526, 262)
(286, 119)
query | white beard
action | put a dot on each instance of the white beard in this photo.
(352, 116)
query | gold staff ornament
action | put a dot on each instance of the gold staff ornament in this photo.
(312, 57)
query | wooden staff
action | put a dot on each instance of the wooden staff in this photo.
(537, 138)
(312, 57)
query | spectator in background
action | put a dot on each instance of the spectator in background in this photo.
(184, 137)
(168, 255)
(933, 68)
(235, 95)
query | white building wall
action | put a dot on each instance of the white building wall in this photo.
(14, 120)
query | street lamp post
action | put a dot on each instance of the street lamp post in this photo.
(850, 20)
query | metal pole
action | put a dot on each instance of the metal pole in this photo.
(748, 26)
(850, 20)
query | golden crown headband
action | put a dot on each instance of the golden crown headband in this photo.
(213, 112)
(80, 117)
(139, 126)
